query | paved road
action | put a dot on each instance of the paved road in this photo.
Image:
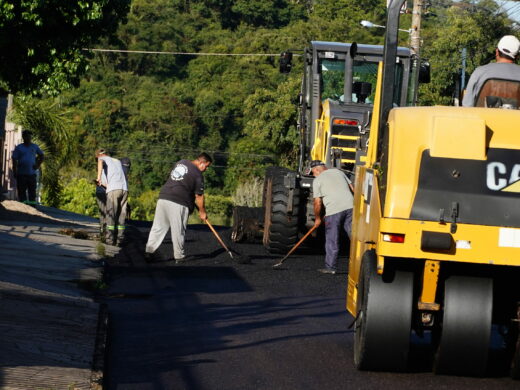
(216, 324)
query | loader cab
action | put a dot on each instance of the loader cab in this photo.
(338, 90)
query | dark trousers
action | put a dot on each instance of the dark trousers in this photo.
(26, 187)
(333, 225)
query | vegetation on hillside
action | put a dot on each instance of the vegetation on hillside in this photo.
(41, 41)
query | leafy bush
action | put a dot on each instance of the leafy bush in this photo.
(142, 208)
(79, 196)
(219, 205)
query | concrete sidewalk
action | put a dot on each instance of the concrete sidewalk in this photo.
(48, 318)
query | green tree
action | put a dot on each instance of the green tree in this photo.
(41, 41)
(270, 136)
(474, 26)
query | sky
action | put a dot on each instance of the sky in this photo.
(512, 8)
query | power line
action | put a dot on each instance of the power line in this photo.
(157, 149)
(174, 53)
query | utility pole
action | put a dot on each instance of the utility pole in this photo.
(463, 70)
(415, 45)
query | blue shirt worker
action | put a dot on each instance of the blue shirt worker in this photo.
(116, 195)
(27, 158)
(333, 202)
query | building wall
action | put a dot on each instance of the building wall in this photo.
(12, 136)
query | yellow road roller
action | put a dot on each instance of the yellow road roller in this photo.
(435, 245)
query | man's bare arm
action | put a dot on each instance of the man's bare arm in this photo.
(318, 211)
(99, 171)
(199, 202)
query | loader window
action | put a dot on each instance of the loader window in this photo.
(366, 72)
(333, 78)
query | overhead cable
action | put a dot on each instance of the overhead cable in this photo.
(175, 53)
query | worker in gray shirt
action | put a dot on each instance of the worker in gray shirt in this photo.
(117, 195)
(504, 68)
(332, 191)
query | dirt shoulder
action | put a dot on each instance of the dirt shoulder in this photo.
(11, 210)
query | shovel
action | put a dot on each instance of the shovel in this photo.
(219, 239)
(241, 259)
(295, 246)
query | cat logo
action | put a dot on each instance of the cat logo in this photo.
(499, 179)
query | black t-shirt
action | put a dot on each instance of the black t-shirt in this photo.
(184, 182)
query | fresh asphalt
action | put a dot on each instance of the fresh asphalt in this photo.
(213, 323)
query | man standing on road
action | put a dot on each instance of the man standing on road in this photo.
(117, 195)
(332, 192)
(27, 158)
(183, 190)
(504, 68)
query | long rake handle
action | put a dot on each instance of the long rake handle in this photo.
(298, 243)
(216, 235)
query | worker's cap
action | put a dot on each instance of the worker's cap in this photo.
(316, 163)
(509, 45)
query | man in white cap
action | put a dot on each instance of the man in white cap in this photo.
(504, 68)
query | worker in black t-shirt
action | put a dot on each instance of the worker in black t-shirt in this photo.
(183, 190)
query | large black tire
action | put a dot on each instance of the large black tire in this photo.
(384, 318)
(281, 225)
(515, 363)
(466, 326)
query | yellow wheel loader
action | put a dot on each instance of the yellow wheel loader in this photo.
(435, 246)
(335, 109)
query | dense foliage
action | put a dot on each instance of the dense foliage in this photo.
(41, 41)
(158, 108)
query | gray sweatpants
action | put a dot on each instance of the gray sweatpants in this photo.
(168, 215)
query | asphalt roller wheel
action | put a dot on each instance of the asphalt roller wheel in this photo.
(382, 339)
(515, 363)
(466, 326)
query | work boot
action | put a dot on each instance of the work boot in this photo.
(148, 257)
